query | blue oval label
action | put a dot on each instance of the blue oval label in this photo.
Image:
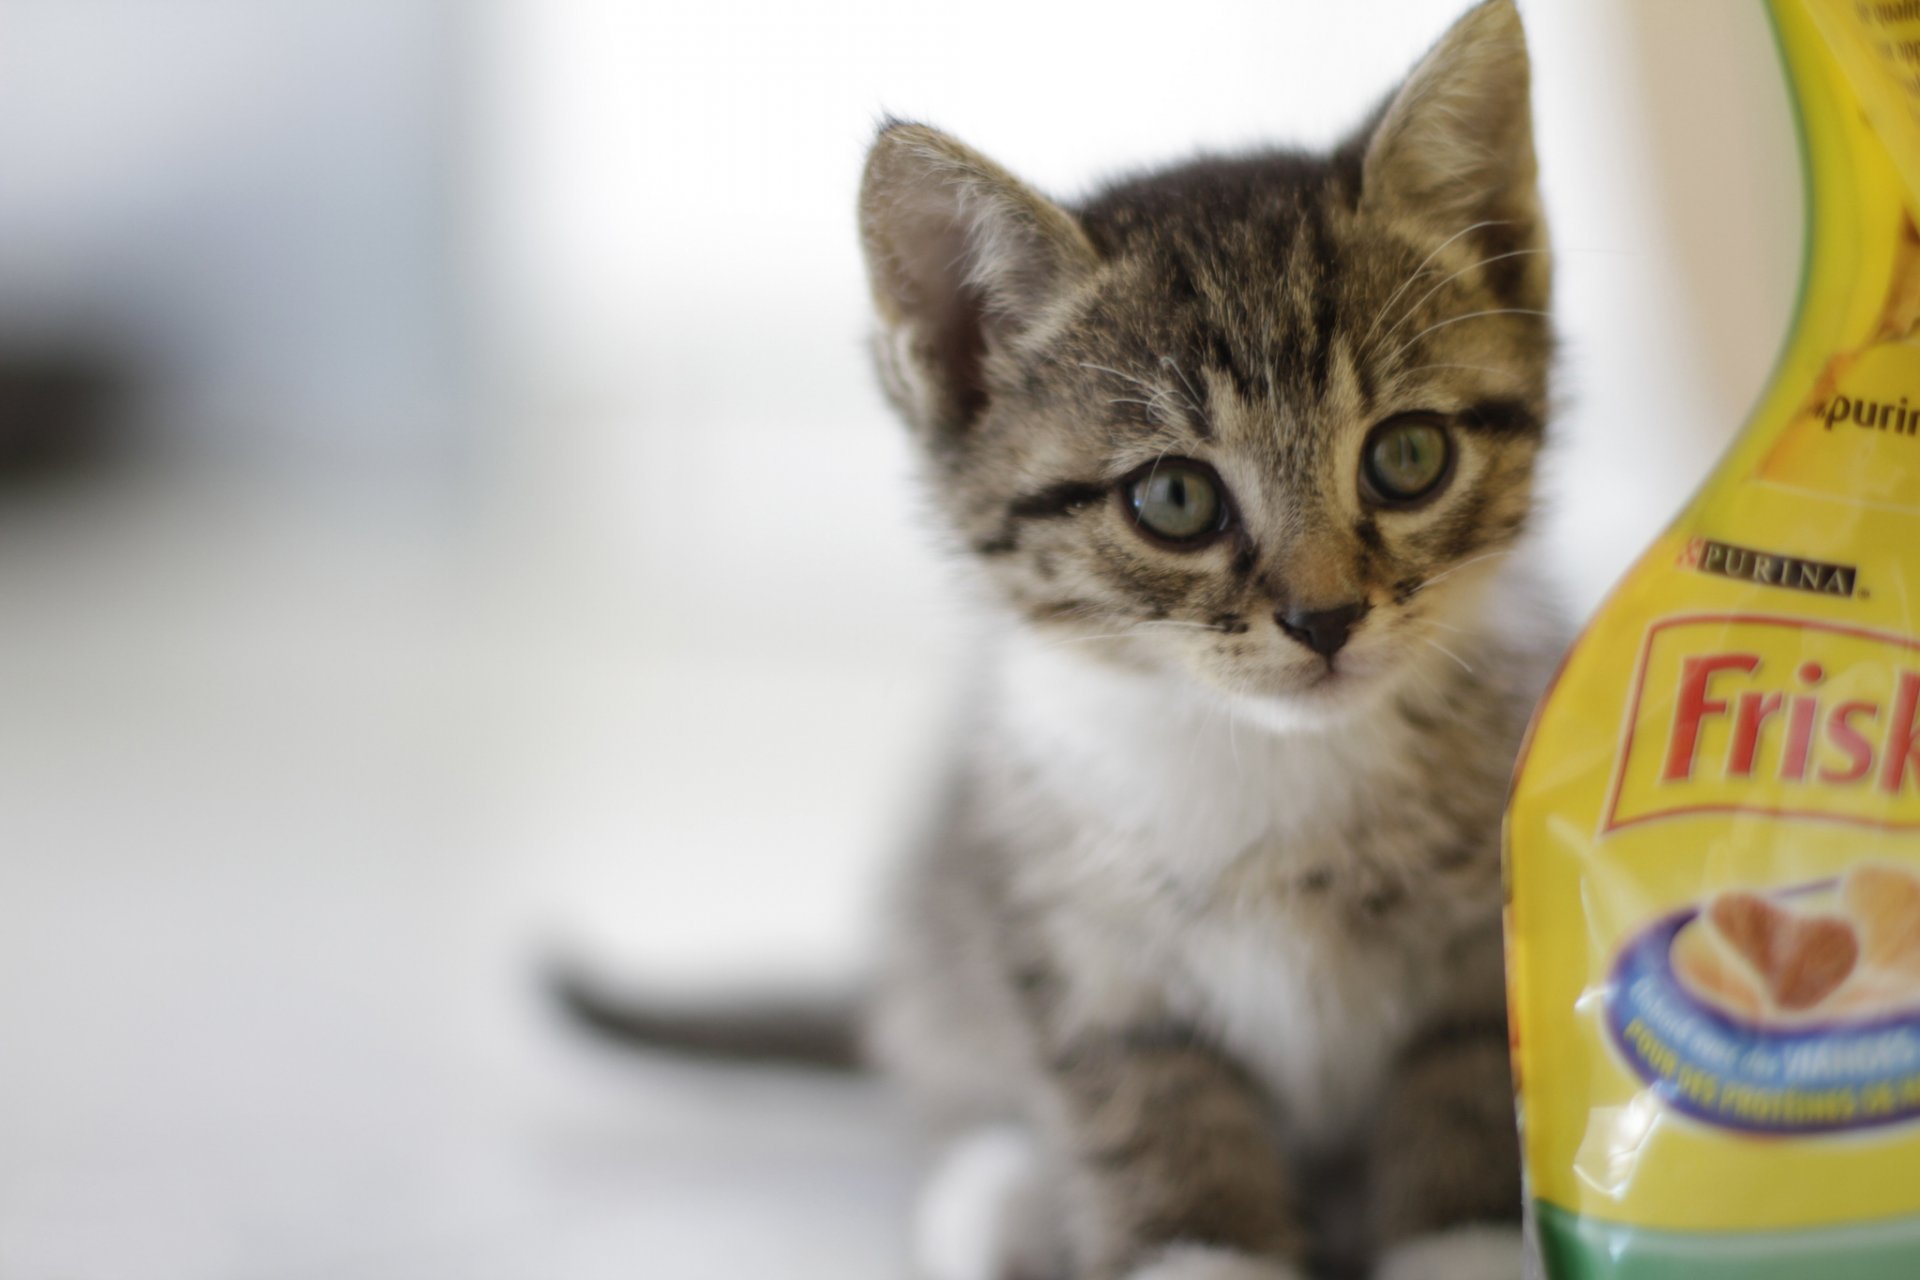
(1765, 1026)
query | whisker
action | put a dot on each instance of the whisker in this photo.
(1429, 640)
(1414, 306)
(1465, 564)
(1158, 410)
(1067, 640)
(1135, 630)
(1236, 688)
(1135, 379)
(1155, 391)
(1181, 374)
(1473, 368)
(1175, 622)
(1153, 469)
(1421, 270)
(1471, 315)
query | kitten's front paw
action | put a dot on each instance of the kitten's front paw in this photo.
(1465, 1253)
(1197, 1262)
(977, 1214)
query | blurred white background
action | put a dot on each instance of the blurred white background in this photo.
(444, 513)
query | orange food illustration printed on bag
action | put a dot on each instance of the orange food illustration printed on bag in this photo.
(1781, 962)
(1886, 902)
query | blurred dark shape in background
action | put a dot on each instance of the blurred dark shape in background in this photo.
(62, 413)
(252, 204)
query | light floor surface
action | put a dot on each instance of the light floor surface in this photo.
(296, 788)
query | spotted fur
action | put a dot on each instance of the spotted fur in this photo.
(1209, 916)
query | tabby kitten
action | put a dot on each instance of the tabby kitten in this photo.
(1200, 970)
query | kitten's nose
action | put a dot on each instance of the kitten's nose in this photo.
(1321, 630)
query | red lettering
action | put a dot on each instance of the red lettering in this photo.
(1753, 712)
(1793, 764)
(1902, 756)
(1852, 743)
(1694, 706)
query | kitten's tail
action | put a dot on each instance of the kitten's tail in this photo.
(820, 1033)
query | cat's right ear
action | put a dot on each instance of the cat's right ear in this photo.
(1454, 146)
(963, 258)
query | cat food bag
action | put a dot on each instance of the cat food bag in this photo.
(1713, 849)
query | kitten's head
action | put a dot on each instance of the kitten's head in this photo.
(1265, 421)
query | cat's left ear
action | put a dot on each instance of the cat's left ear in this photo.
(1454, 147)
(964, 260)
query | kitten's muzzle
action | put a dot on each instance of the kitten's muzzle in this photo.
(1322, 630)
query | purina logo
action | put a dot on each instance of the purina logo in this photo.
(1785, 716)
(1725, 560)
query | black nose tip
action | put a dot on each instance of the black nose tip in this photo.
(1321, 630)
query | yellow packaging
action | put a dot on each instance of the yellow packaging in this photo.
(1714, 841)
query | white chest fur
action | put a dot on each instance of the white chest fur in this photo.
(1317, 1017)
(1166, 785)
(1164, 770)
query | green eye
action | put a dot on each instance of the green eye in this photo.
(1406, 458)
(1177, 500)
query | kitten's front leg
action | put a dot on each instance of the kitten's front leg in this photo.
(1174, 1174)
(1445, 1162)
